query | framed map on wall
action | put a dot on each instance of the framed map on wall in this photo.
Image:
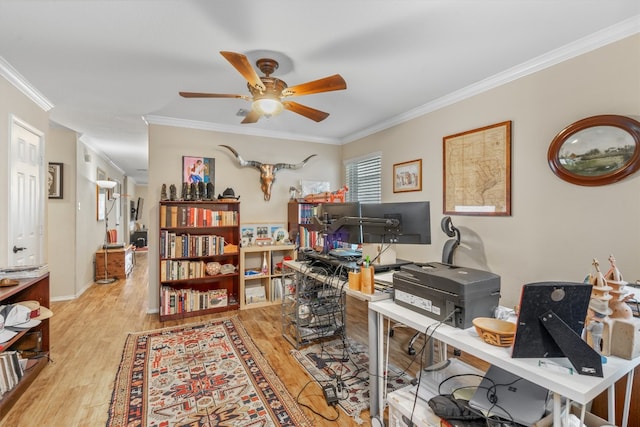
(477, 171)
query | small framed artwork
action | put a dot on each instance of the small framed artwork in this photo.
(407, 176)
(477, 171)
(101, 195)
(55, 180)
(247, 234)
(279, 233)
(198, 169)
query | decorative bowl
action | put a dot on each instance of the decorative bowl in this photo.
(495, 331)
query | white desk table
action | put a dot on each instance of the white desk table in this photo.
(304, 268)
(577, 388)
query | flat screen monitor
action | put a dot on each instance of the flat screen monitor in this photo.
(336, 213)
(414, 219)
(550, 324)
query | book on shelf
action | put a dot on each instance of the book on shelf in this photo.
(176, 301)
(195, 216)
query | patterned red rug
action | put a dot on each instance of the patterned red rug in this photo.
(208, 374)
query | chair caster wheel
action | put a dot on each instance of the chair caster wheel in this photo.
(411, 351)
(391, 333)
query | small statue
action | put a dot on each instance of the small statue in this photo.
(185, 191)
(193, 192)
(163, 192)
(201, 191)
(211, 194)
(173, 193)
(597, 327)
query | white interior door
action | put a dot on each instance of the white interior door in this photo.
(26, 195)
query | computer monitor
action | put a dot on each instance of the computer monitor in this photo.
(414, 219)
(340, 221)
(550, 323)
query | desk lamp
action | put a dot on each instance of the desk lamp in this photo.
(107, 185)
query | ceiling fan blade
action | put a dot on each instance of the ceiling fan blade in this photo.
(242, 64)
(327, 84)
(308, 112)
(211, 95)
(251, 117)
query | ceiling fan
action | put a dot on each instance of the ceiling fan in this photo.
(267, 93)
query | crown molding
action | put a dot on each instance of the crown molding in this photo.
(16, 79)
(241, 130)
(584, 45)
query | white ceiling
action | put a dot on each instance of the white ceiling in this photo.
(104, 65)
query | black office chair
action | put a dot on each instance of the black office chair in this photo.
(447, 258)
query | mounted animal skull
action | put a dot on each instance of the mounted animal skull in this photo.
(267, 171)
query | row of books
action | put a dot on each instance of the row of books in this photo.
(174, 245)
(307, 212)
(11, 371)
(182, 269)
(176, 301)
(309, 239)
(194, 216)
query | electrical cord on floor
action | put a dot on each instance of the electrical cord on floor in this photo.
(324, 417)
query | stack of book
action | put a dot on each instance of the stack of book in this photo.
(11, 371)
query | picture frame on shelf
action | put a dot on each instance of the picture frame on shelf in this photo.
(247, 234)
(407, 176)
(278, 233)
(483, 157)
(198, 169)
(55, 180)
(101, 195)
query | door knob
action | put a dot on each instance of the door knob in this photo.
(17, 249)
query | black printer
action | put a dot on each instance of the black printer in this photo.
(437, 290)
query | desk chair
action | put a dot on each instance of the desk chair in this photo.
(447, 258)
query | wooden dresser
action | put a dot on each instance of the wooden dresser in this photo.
(119, 262)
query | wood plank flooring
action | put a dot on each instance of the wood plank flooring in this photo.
(88, 335)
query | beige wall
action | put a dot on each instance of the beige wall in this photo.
(556, 228)
(61, 148)
(168, 144)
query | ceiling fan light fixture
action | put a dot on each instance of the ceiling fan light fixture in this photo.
(268, 106)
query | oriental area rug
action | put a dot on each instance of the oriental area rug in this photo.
(206, 374)
(346, 361)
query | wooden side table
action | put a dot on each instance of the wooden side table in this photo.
(119, 262)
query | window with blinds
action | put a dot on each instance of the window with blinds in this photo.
(364, 179)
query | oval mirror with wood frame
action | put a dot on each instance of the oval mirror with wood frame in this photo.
(598, 150)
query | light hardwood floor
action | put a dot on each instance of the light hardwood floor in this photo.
(88, 335)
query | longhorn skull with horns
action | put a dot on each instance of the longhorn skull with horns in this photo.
(267, 171)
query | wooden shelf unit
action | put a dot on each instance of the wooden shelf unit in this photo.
(193, 234)
(299, 213)
(252, 259)
(32, 289)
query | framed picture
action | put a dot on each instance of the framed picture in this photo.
(101, 195)
(102, 202)
(55, 180)
(198, 169)
(247, 234)
(279, 233)
(407, 176)
(477, 171)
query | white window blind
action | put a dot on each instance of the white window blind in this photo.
(364, 179)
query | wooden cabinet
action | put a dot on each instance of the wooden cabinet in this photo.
(34, 289)
(261, 274)
(119, 262)
(300, 213)
(199, 256)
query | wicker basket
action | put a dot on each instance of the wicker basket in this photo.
(495, 331)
